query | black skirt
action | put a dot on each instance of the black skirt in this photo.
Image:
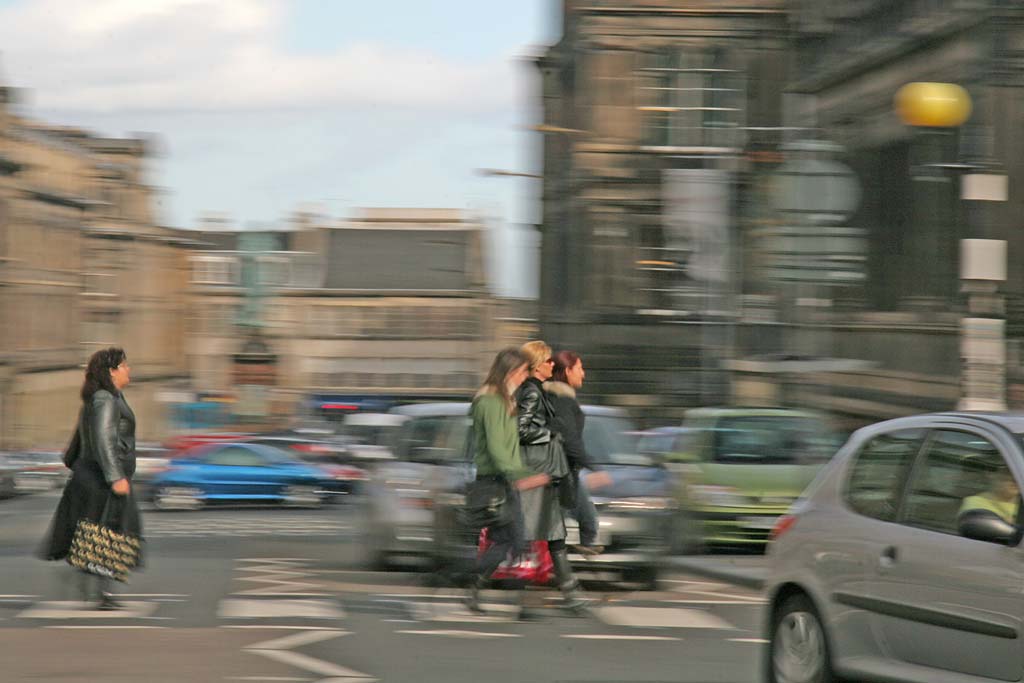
(86, 497)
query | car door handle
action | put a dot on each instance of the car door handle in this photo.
(888, 557)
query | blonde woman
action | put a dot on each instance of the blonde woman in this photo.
(496, 456)
(542, 511)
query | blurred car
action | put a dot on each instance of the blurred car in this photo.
(398, 506)
(333, 459)
(183, 442)
(741, 469)
(661, 442)
(371, 436)
(635, 512)
(903, 560)
(8, 471)
(36, 471)
(234, 473)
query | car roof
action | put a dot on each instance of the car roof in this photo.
(429, 409)
(1012, 421)
(445, 409)
(749, 411)
(376, 419)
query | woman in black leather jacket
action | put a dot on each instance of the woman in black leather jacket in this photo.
(542, 512)
(101, 456)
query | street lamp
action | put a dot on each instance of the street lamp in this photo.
(933, 106)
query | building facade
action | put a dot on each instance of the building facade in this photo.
(655, 115)
(393, 302)
(906, 316)
(81, 265)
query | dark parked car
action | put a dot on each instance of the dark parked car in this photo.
(237, 473)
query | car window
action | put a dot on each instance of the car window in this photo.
(430, 437)
(959, 471)
(879, 470)
(609, 440)
(772, 439)
(235, 456)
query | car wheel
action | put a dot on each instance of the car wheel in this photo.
(798, 649)
(177, 498)
(302, 496)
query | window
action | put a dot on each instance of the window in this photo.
(959, 469)
(773, 439)
(235, 456)
(692, 97)
(208, 269)
(878, 473)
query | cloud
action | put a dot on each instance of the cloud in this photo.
(216, 55)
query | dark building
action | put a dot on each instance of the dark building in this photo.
(655, 115)
(905, 317)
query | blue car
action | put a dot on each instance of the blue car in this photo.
(236, 473)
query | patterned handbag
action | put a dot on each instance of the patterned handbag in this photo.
(98, 548)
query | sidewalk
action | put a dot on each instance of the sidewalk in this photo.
(748, 571)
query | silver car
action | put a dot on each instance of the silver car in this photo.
(902, 561)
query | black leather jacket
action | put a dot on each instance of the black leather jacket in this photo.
(105, 437)
(534, 413)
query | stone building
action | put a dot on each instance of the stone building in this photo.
(392, 302)
(655, 114)
(905, 316)
(82, 264)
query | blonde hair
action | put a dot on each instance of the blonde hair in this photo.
(537, 351)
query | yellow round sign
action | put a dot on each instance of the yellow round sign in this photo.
(933, 105)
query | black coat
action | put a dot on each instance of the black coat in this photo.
(533, 413)
(542, 513)
(101, 452)
(568, 421)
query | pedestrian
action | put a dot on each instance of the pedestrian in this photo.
(101, 457)
(566, 378)
(542, 511)
(497, 459)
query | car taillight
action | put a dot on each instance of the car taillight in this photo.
(782, 525)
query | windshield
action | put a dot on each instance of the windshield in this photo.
(773, 439)
(608, 441)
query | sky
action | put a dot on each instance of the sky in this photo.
(262, 107)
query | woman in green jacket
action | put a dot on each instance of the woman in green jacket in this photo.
(497, 458)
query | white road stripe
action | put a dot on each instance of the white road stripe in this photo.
(297, 640)
(106, 626)
(277, 627)
(317, 666)
(83, 610)
(746, 640)
(716, 602)
(462, 634)
(266, 678)
(592, 636)
(232, 608)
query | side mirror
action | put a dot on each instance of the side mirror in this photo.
(984, 525)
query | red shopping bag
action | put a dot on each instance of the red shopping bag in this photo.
(533, 566)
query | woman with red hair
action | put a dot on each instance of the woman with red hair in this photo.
(566, 377)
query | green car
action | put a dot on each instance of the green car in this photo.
(741, 468)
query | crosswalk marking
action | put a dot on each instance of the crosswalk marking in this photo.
(73, 609)
(184, 525)
(461, 634)
(659, 617)
(609, 636)
(238, 608)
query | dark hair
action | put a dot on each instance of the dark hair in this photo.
(564, 361)
(505, 362)
(97, 373)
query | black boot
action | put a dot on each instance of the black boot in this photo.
(572, 597)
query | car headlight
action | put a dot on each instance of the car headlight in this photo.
(718, 496)
(646, 503)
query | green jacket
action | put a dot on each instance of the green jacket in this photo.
(496, 450)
